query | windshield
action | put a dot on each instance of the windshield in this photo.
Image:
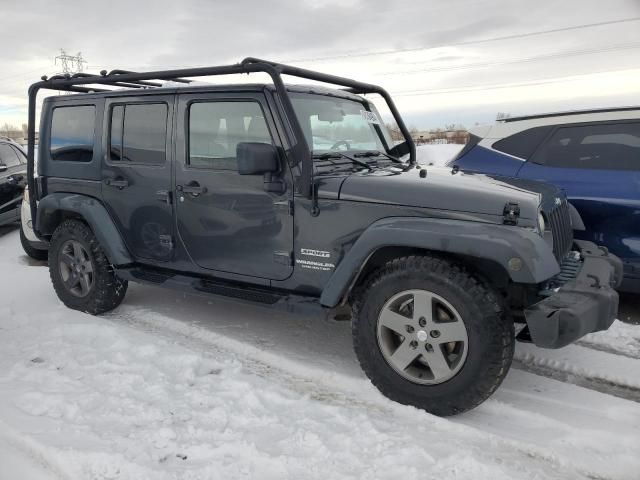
(333, 124)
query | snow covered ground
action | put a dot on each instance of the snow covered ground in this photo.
(175, 386)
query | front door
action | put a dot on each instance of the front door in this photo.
(136, 173)
(230, 222)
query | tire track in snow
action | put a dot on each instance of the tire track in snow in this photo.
(30, 449)
(541, 367)
(601, 347)
(289, 374)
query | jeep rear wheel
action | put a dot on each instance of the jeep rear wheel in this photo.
(430, 334)
(80, 272)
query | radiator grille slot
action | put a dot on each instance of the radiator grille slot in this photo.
(561, 229)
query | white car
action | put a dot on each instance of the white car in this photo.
(31, 244)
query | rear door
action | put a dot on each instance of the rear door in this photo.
(598, 166)
(232, 223)
(136, 173)
(12, 180)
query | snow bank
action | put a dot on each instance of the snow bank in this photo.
(437, 154)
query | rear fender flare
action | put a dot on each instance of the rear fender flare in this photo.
(54, 207)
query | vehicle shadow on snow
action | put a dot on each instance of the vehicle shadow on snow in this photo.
(629, 311)
(294, 336)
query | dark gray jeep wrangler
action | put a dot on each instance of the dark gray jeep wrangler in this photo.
(297, 196)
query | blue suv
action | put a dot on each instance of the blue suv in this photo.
(594, 156)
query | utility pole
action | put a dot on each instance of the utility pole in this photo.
(70, 64)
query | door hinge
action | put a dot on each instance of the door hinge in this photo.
(164, 196)
(286, 205)
(166, 241)
(283, 258)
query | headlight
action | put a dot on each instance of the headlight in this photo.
(541, 224)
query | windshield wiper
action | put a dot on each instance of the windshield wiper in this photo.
(330, 155)
(376, 153)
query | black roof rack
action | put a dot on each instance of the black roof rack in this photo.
(567, 113)
(299, 152)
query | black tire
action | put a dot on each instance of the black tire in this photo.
(107, 290)
(490, 333)
(29, 249)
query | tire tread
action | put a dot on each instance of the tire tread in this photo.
(109, 289)
(495, 319)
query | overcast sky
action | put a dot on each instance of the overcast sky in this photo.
(454, 61)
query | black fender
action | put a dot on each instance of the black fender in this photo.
(499, 243)
(53, 207)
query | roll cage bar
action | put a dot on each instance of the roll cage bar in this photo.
(123, 78)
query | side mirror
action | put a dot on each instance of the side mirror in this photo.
(256, 158)
(3, 167)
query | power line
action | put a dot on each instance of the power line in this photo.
(80, 62)
(471, 88)
(570, 53)
(462, 43)
(35, 70)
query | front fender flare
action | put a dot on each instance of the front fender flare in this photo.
(498, 243)
(52, 208)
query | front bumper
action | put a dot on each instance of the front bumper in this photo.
(585, 302)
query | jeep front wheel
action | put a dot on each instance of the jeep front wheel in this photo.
(430, 334)
(80, 272)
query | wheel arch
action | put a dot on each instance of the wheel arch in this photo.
(53, 209)
(486, 248)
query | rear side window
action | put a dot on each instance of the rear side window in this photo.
(613, 146)
(8, 156)
(138, 133)
(72, 133)
(216, 128)
(523, 144)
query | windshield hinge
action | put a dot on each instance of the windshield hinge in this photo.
(285, 205)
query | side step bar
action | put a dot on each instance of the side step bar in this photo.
(222, 288)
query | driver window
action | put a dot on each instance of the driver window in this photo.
(216, 128)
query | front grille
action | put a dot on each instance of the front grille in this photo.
(561, 229)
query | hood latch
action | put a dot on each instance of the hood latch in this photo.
(511, 213)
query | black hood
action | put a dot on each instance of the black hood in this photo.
(441, 189)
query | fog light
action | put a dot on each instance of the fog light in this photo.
(515, 264)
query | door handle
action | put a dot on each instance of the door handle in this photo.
(192, 188)
(117, 182)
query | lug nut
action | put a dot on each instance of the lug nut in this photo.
(428, 347)
(409, 328)
(422, 321)
(434, 333)
(413, 344)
